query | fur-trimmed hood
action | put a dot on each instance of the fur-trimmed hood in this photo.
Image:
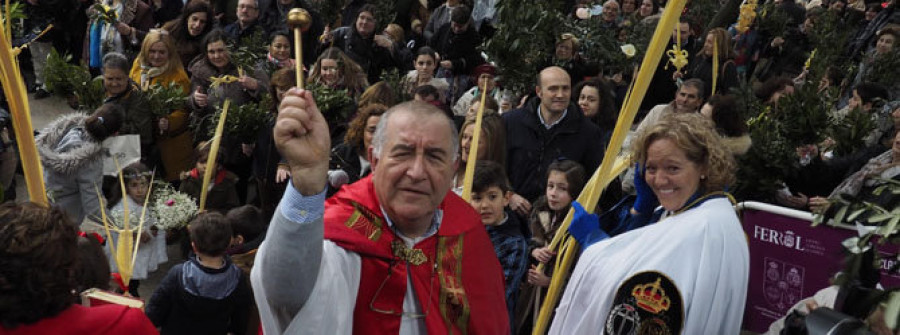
(66, 163)
(738, 145)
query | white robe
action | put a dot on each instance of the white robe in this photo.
(150, 254)
(702, 251)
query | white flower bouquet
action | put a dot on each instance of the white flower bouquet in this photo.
(116, 219)
(173, 209)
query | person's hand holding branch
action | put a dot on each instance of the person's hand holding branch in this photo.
(301, 136)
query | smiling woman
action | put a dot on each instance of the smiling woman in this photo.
(159, 64)
(686, 166)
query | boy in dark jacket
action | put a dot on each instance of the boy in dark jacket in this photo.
(206, 294)
(490, 198)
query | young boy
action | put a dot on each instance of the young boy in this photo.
(248, 229)
(223, 194)
(206, 294)
(490, 198)
(248, 225)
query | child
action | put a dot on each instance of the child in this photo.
(207, 294)
(152, 248)
(248, 225)
(565, 179)
(222, 195)
(490, 198)
(72, 156)
(248, 230)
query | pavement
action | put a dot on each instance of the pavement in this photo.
(43, 112)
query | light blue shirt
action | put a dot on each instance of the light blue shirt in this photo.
(548, 126)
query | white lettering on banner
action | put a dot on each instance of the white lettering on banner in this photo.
(786, 239)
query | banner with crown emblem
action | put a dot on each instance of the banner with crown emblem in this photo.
(647, 303)
(791, 261)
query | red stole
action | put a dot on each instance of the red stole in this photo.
(459, 286)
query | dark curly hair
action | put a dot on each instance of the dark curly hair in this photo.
(356, 132)
(38, 262)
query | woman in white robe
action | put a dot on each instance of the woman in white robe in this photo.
(684, 270)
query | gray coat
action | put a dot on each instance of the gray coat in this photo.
(73, 166)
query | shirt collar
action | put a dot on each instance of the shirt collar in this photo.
(410, 242)
(548, 126)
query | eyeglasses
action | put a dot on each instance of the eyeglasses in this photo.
(403, 314)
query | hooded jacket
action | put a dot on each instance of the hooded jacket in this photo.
(73, 166)
(65, 146)
(195, 299)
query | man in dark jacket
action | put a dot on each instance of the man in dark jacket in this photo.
(548, 128)
(247, 22)
(457, 43)
(374, 53)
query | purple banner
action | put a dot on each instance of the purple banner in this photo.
(789, 261)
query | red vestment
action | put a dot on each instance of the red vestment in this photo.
(459, 286)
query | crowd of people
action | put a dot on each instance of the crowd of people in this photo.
(333, 222)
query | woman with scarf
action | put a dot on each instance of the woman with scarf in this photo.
(274, 18)
(120, 28)
(863, 183)
(188, 30)
(158, 64)
(278, 57)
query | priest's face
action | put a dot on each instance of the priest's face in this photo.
(671, 175)
(412, 167)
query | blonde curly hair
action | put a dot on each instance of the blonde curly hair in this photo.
(695, 134)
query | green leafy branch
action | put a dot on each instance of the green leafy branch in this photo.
(249, 50)
(66, 79)
(162, 100)
(245, 121)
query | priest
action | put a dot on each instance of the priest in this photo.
(392, 253)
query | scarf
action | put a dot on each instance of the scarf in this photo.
(149, 72)
(94, 45)
(220, 176)
(853, 184)
(279, 64)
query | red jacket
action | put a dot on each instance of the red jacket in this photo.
(101, 320)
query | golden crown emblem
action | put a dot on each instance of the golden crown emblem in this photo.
(651, 297)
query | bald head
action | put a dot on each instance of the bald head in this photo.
(554, 87)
